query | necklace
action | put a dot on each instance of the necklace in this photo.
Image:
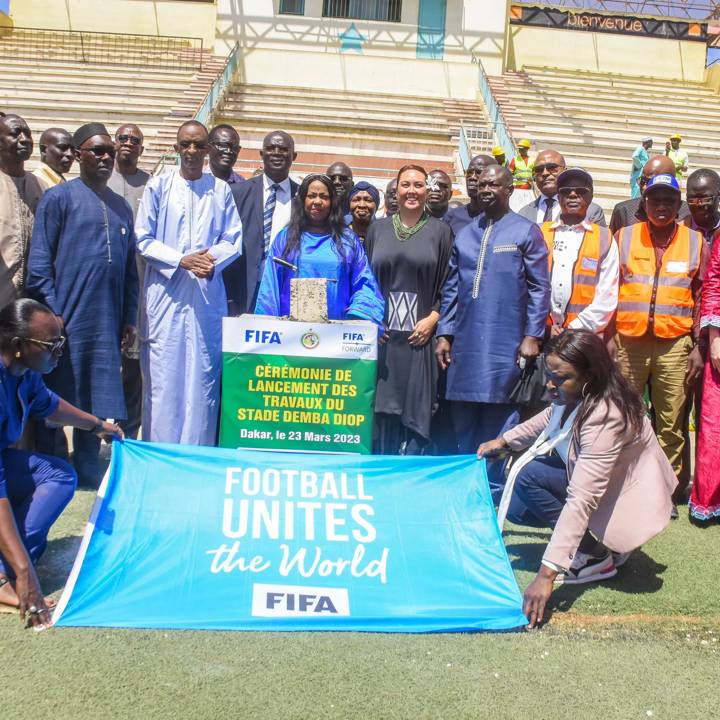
(403, 233)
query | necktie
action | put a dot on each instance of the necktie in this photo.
(268, 215)
(549, 202)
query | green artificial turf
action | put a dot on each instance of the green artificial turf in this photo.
(645, 644)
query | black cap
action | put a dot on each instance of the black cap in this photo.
(87, 131)
(573, 176)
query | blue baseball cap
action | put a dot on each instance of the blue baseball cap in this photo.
(664, 180)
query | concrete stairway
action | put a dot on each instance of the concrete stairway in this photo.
(373, 133)
(67, 93)
(597, 120)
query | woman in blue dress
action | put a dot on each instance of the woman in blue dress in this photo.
(317, 244)
(34, 488)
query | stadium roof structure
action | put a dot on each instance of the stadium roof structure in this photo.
(681, 9)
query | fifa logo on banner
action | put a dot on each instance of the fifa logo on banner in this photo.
(296, 600)
(263, 337)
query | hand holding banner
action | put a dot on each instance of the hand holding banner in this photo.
(208, 538)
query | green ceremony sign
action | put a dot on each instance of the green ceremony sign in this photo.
(290, 385)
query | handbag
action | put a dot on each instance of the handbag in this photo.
(530, 388)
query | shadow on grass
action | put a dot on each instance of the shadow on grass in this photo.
(640, 575)
(57, 561)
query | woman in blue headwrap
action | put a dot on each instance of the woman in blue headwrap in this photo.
(364, 200)
(317, 244)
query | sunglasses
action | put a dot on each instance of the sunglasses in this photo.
(100, 151)
(550, 167)
(122, 139)
(186, 144)
(579, 191)
(54, 348)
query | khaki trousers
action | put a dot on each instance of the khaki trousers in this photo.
(661, 364)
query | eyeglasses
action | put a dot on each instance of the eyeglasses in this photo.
(225, 146)
(100, 151)
(579, 191)
(128, 138)
(53, 347)
(702, 201)
(549, 167)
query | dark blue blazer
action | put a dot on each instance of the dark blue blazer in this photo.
(242, 277)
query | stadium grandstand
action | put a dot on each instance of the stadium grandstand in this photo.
(378, 83)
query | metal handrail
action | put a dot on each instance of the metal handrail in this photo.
(215, 95)
(90, 46)
(463, 149)
(502, 131)
(218, 89)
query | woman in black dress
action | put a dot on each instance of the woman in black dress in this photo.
(409, 253)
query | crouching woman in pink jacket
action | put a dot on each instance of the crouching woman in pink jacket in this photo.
(594, 471)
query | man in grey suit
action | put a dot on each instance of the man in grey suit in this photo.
(263, 203)
(548, 165)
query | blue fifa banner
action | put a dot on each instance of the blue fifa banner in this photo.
(209, 538)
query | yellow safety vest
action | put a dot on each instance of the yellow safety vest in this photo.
(523, 172)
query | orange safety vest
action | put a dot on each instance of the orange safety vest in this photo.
(586, 272)
(665, 291)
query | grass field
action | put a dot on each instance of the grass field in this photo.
(644, 644)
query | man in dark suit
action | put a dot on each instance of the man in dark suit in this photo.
(548, 165)
(264, 206)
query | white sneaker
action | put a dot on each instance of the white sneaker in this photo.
(586, 568)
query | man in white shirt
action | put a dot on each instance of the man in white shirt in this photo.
(548, 166)
(584, 261)
(263, 203)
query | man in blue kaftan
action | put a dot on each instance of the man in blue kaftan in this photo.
(188, 229)
(82, 266)
(493, 314)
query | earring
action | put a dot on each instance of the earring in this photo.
(583, 392)
(17, 354)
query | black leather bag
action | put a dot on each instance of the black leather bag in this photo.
(530, 388)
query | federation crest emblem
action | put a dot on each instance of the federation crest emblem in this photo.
(310, 340)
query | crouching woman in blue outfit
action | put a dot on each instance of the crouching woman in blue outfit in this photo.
(34, 488)
(317, 244)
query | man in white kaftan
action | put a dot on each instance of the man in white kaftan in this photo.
(188, 229)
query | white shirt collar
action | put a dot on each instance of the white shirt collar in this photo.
(584, 225)
(268, 183)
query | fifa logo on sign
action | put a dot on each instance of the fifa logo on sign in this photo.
(264, 337)
(294, 600)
